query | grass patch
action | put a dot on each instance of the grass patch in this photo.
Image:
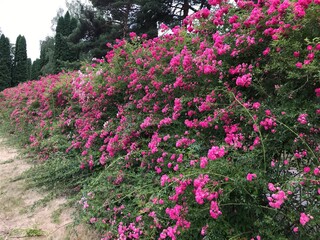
(44, 201)
(9, 204)
(26, 232)
(60, 174)
(18, 178)
(34, 232)
(7, 162)
(55, 216)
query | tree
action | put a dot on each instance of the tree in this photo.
(182, 8)
(150, 14)
(35, 69)
(20, 64)
(29, 66)
(92, 33)
(122, 13)
(63, 53)
(143, 16)
(47, 65)
(5, 62)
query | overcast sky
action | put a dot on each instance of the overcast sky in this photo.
(31, 18)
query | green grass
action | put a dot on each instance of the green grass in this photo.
(25, 232)
(8, 161)
(55, 216)
(34, 232)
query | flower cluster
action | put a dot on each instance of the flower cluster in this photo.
(211, 130)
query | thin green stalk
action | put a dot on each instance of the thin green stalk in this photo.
(260, 134)
(297, 135)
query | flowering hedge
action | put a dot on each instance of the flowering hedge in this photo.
(211, 132)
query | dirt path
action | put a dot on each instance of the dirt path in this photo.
(20, 215)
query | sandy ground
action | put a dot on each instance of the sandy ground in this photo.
(20, 215)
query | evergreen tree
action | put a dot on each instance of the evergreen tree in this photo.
(92, 33)
(5, 62)
(143, 16)
(122, 13)
(29, 66)
(150, 14)
(35, 69)
(63, 53)
(47, 63)
(59, 51)
(180, 9)
(20, 64)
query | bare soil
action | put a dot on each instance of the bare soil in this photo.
(21, 215)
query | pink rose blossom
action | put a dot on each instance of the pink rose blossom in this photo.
(299, 65)
(302, 119)
(304, 219)
(251, 176)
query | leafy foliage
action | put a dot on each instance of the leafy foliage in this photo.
(64, 55)
(20, 63)
(5, 62)
(211, 132)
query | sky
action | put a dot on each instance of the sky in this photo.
(30, 18)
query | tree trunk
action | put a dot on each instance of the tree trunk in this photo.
(185, 8)
(126, 18)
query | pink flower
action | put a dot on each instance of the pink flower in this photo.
(295, 229)
(266, 51)
(103, 159)
(309, 48)
(302, 119)
(251, 176)
(299, 65)
(132, 35)
(317, 91)
(215, 152)
(257, 238)
(277, 199)
(306, 169)
(214, 210)
(304, 218)
(214, 2)
(299, 10)
(271, 187)
(204, 230)
(139, 61)
(176, 167)
(164, 179)
(205, 12)
(203, 162)
(244, 81)
(296, 54)
(256, 105)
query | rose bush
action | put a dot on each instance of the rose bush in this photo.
(210, 132)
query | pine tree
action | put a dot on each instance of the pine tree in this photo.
(29, 66)
(142, 16)
(92, 33)
(121, 12)
(150, 14)
(63, 53)
(5, 62)
(35, 69)
(47, 62)
(20, 64)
